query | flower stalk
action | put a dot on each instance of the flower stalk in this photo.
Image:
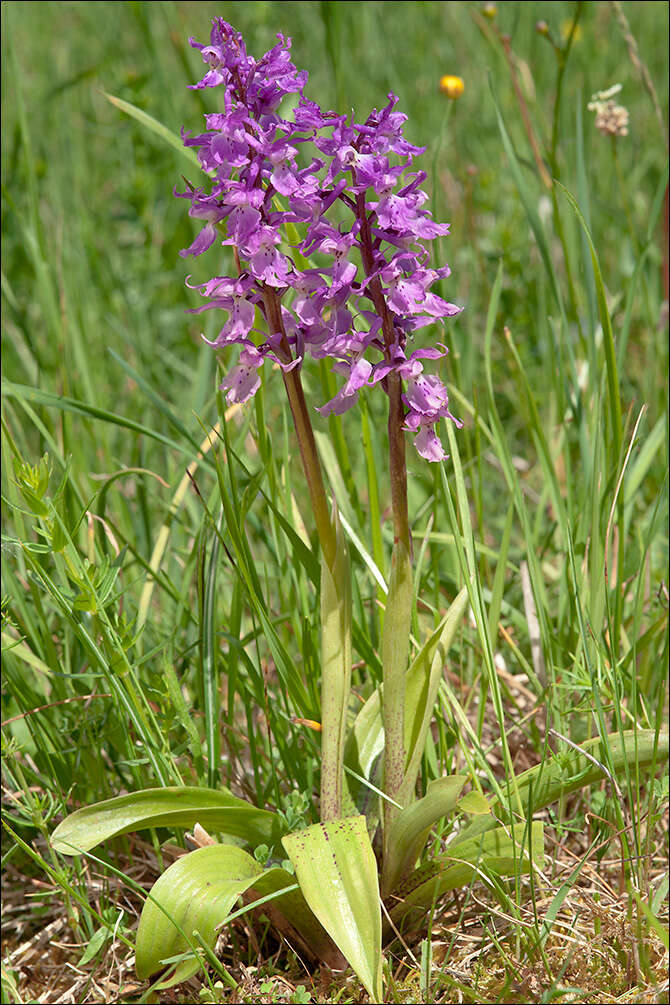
(277, 220)
(395, 641)
(336, 664)
(335, 581)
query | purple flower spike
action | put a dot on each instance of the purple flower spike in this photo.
(367, 286)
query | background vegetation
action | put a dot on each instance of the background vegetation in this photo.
(133, 649)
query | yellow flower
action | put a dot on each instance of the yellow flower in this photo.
(566, 27)
(451, 87)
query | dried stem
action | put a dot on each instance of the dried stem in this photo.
(523, 108)
(639, 64)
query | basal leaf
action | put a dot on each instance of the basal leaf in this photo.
(195, 893)
(337, 872)
(410, 828)
(503, 852)
(475, 803)
(218, 811)
(423, 681)
(362, 754)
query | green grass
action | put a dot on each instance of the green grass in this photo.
(152, 622)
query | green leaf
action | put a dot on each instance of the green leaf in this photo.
(337, 871)
(570, 770)
(366, 737)
(659, 927)
(410, 828)
(475, 803)
(50, 400)
(96, 942)
(336, 671)
(196, 895)
(362, 755)
(209, 648)
(156, 127)
(529, 201)
(196, 892)
(608, 336)
(503, 852)
(423, 681)
(218, 811)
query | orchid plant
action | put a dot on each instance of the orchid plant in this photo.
(326, 221)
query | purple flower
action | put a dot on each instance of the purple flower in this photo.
(243, 380)
(232, 296)
(428, 444)
(358, 374)
(427, 401)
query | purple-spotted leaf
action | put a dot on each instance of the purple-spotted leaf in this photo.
(337, 872)
(215, 810)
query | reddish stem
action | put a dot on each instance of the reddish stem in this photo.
(398, 466)
(303, 428)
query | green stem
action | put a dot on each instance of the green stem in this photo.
(395, 657)
(335, 581)
(336, 664)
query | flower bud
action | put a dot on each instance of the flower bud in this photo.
(489, 10)
(451, 87)
(542, 28)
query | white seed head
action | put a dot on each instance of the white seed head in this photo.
(611, 119)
